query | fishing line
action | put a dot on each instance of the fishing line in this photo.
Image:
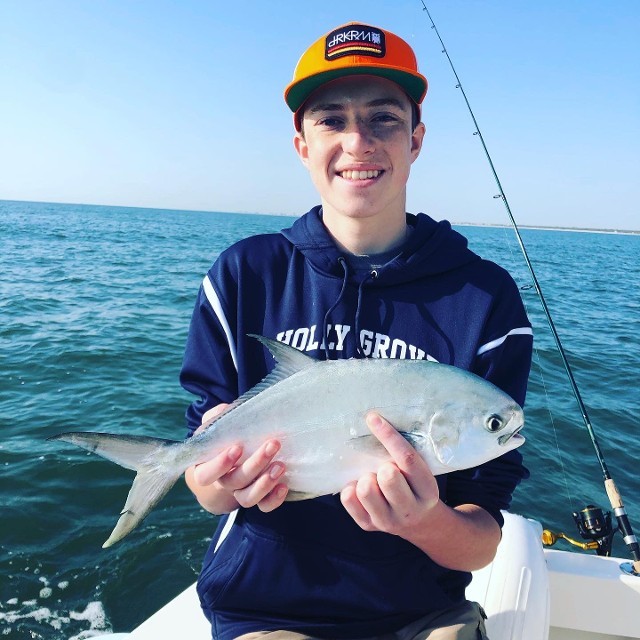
(517, 266)
(612, 492)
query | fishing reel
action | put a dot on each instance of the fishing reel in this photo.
(594, 526)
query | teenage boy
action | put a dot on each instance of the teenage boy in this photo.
(356, 276)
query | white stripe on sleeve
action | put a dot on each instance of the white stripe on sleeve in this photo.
(214, 301)
(521, 331)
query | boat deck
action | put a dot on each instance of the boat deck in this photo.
(529, 594)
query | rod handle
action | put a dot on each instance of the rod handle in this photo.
(614, 495)
(623, 522)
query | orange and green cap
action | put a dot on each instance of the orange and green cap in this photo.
(355, 49)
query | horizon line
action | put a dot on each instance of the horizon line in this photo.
(613, 231)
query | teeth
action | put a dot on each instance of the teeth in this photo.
(359, 175)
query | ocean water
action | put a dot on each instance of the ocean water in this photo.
(94, 309)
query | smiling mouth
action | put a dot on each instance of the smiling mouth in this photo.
(360, 175)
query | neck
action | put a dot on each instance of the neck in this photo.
(364, 236)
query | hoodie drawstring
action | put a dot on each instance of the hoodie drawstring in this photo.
(370, 275)
(357, 323)
(325, 331)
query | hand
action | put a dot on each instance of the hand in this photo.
(399, 498)
(244, 482)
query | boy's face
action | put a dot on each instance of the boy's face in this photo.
(358, 145)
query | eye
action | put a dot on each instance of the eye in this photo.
(493, 423)
(385, 118)
(330, 122)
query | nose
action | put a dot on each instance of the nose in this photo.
(358, 140)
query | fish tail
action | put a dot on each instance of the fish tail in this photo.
(149, 457)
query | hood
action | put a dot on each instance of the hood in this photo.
(433, 248)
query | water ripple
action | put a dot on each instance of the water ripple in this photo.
(95, 305)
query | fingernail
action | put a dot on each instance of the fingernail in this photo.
(271, 449)
(197, 475)
(234, 452)
(373, 420)
(276, 470)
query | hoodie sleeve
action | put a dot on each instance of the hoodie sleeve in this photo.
(220, 361)
(503, 358)
(209, 366)
(504, 354)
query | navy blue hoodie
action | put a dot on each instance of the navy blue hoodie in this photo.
(307, 566)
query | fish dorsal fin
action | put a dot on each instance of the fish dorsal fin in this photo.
(289, 361)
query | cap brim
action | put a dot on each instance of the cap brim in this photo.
(297, 93)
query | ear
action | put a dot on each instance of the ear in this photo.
(302, 148)
(416, 140)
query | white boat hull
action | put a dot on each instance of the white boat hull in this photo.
(591, 597)
(529, 593)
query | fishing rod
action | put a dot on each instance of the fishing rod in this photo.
(610, 487)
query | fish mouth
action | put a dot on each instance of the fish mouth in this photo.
(514, 435)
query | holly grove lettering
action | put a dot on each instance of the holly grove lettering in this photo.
(374, 344)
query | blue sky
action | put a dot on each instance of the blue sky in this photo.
(179, 105)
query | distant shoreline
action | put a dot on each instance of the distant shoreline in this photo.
(617, 232)
(626, 232)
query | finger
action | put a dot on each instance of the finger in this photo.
(274, 498)
(409, 462)
(260, 487)
(405, 508)
(208, 472)
(395, 488)
(400, 450)
(373, 502)
(209, 416)
(353, 506)
(381, 508)
(249, 470)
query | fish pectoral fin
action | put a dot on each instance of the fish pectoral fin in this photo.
(368, 444)
(414, 438)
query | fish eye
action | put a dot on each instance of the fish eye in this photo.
(494, 423)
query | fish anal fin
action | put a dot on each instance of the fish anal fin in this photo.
(297, 496)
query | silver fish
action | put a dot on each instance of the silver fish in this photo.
(316, 409)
